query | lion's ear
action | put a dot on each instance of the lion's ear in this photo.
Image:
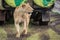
(23, 6)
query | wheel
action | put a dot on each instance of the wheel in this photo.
(36, 16)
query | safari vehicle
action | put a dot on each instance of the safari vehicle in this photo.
(42, 10)
(5, 11)
(40, 13)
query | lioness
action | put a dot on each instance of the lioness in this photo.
(22, 14)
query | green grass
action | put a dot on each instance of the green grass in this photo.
(53, 35)
(35, 34)
(3, 34)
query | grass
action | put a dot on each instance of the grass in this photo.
(3, 34)
(37, 36)
(35, 33)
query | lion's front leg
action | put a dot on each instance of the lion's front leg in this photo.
(17, 29)
(25, 27)
(26, 23)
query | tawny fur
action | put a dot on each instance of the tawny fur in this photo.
(21, 14)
